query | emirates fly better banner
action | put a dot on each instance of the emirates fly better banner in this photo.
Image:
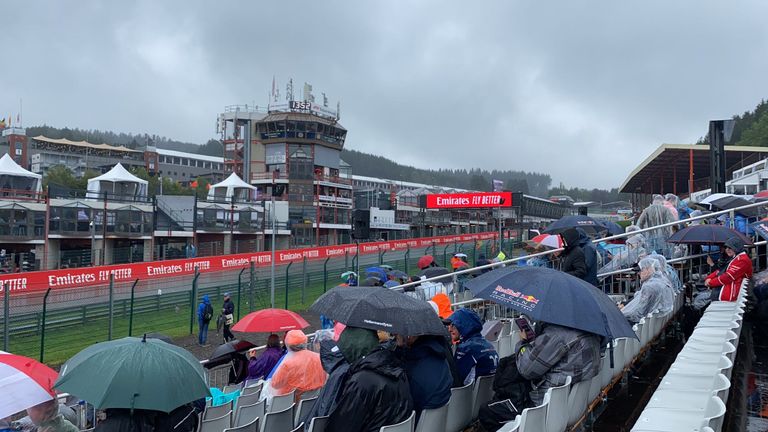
(469, 200)
(93, 276)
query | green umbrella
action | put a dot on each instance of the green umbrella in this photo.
(134, 373)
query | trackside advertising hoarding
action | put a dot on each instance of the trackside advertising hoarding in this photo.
(469, 200)
(20, 283)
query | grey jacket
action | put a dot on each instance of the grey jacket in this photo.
(556, 353)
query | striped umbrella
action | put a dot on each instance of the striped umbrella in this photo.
(24, 383)
(553, 241)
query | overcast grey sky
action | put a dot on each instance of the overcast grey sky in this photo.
(580, 90)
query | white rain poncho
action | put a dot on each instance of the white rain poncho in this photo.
(669, 272)
(654, 215)
(627, 257)
(654, 294)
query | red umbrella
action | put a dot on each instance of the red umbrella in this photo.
(25, 383)
(425, 261)
(270, 320)
(761, 194)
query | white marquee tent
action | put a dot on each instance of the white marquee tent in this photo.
(14, 177)
(117, 183)
(232, 186)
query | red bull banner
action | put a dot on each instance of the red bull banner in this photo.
(91, 276)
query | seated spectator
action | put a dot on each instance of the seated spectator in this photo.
(443, 303)
(554, 354)
(47, 418)
(655, 293)
(375, 392)
(301, 370)
(336, 366)
(483, 261)
(125, 420)
(739, 267)
(509, 385)
(259, 367)
(572, 257)
(475, 356)
(429, 374)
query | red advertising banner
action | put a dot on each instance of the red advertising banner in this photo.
(92, 276)
(469, 200)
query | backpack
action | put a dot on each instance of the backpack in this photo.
(208, 313)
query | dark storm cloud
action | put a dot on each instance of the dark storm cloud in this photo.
(581, 90)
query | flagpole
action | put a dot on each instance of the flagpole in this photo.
(21, 114)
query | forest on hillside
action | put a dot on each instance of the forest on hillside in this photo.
(750, 129)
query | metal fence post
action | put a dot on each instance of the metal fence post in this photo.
(286, 283)
(111, 305)
(303, 279)
(445, 256)
(42, 328)
(130, 317)
(325, 274)
(6, 315)
(193, 300)
(251, 285)
(381, 257)
(407, 257)
(434, 248)
(239, 284)
(346, 259)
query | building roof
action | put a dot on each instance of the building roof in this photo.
(174, 153)
(86, 144)
(667, 168)
(403, 183)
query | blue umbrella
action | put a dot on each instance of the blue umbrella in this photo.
(553, 297)
(761, 227)
(706, 234)
(376, 272)
(612, 227)
(591, 226)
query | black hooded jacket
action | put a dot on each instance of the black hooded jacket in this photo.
(375, 394)
(590, 257)
(336, 367)
(572, 260)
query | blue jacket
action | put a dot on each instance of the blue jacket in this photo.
(590, 257)
(429, 375)
(201, 307)
(475, 356)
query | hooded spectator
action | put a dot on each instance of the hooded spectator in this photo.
(204, 316)
(669, 272)
(125, 420)
(590, 256)
(443, 305)
(654, 294)
(482, 261)
(572, 258)
(654, 215)
(336, 366)
(47, 418)
(429, 374)
(375, 392)
(739, 267)
(301, 370)
(556, 353)
(259, 367)
(475, 356)
(628, 257)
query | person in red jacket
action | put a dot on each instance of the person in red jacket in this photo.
(730, 279)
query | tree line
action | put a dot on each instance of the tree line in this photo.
(750, 129)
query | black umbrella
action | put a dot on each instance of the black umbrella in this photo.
(591, 226)
(729, 202)
(224, 352)
(554, 297)
(706, 234)
(378, 308)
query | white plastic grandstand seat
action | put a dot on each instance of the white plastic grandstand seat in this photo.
(317, 424)
(280, 403)
(647, 331)
(310, 394)
(280, 421)
(250, 427)
(506, 327)
(481, 393)
(534, 419)
(671, 398)
(606, 372)
(299, 428)
(217, 411)
(556, 419)
(252, 383)
(495, 345)
(216, 424)
(513, 426)
(305, 406)
(594, 386)
(252, 389)
(248, 413)
(433, 420)
(248, 399)
(707, 366)
(665, 419)
(716, 383)
(701, 350)
(577, 401)
(230, 388)
(460, 413)
(619, 357)
(505, 346)
(404, 426)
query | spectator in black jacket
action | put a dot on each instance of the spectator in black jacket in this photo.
(376, 391)
(572, 257)
(429, 374)
(590, 257)
(228, 311)
(508, 384)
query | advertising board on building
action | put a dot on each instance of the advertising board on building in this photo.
(469, 200)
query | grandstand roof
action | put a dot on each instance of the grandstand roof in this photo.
(175, 153)
(64, 141)
(667, 168)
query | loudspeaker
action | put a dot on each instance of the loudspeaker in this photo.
(361, 224)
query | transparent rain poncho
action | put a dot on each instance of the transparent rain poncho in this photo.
(300, 370)
(654, 294)
(627, 257)
(654, 215)
(669, 272)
